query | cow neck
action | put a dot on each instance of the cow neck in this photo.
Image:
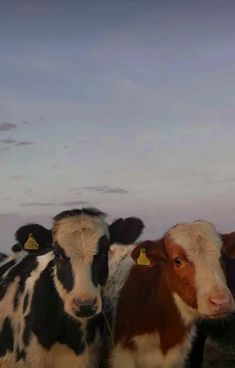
(146, 306)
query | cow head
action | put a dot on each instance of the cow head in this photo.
(81, 244)
(189, 256)
(32, 238)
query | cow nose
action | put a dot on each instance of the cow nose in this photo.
(220, 303)
(85, 308)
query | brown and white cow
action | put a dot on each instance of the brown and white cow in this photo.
(159, 303)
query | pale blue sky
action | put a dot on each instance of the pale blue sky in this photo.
(124, 105)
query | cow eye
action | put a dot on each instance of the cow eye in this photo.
(178, 262)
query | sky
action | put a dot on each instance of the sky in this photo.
(127, 106)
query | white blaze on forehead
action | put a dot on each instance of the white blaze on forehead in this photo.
(79, 235)
(198, 239)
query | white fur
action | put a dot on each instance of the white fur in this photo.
(149, 354)
(78, 235)
(120, 263)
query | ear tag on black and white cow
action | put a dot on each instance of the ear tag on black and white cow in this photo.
(31, 243)
(143, 260)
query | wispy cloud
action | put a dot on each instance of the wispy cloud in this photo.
(15, 142)
(8, 141)
(116, 191)
(24, 143)
(106, 189)
(5, 127)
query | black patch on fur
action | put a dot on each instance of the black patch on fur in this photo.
(99, 268)
(29, 264)
(41, 318)
(27, 329)
(195, 358)
(72, 335)
(125, 231)
(26, 302)
(63, 268)
(47, 318)
(4, 268)
(94, 325)
(6, 337)
(20, 354)
(42, 236)
(22, 269)
(220, 331)
(93, 212)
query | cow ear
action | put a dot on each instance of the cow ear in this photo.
(125, 231)
(228, 246)
(33, 237)
(22, 234)
(148, 254)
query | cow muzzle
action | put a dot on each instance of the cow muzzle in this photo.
(84, 308)
(220, 304)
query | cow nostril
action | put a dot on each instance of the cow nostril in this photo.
(85, 308)
(220, 301)
(84, 304)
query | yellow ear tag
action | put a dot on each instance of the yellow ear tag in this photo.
(31, 243)
(143, 260)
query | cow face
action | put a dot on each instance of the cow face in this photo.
(189, 255)
(81, 244)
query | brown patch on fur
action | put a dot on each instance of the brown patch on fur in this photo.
(180, 279)
(146, 303)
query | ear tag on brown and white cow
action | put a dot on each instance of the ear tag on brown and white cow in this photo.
(31, 243)
(143, 260)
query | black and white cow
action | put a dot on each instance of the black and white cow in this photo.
(50, 304)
